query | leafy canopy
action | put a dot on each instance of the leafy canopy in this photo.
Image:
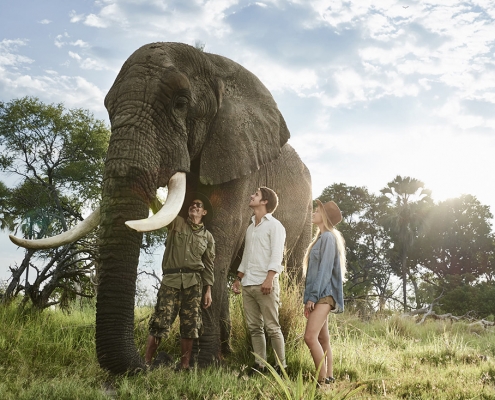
(57, 148)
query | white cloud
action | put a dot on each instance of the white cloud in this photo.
(74, 55)
(60, 40)
(455, 115)
(8, 56)
(352, 87)
(425, 83)
(447, 44)
(382, 28)
(89, 63)
(80, 43)
(278, 77)
(108, 16)
(158, 19)
(95, 21)
(45, 22)
(12, 44)
(340, 13)
(74, 17)
(72, 91)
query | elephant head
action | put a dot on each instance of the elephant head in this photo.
(174, 111)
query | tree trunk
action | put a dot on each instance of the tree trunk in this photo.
(416, 289)
(404, 281)
(13, 287)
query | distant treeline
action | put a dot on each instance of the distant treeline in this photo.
(404, 250)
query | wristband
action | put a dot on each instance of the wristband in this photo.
(238, 278)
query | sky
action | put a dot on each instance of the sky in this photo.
(369, 89)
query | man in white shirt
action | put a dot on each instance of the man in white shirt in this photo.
(258, 273)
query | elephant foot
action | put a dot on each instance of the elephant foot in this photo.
(109, 390)
(226, 349)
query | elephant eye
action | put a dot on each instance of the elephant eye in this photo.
(181, 103)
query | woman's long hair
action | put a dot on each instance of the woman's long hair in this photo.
(339, 239)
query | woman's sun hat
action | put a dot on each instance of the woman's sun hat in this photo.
(332, 211)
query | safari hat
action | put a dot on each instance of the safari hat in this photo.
(332, 211)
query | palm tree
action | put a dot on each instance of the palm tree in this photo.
(405, 217)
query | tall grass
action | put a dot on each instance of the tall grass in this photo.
(52, 356)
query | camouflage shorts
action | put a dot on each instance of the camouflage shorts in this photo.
(172, 302)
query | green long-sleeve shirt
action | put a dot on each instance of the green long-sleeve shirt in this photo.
(187, 249)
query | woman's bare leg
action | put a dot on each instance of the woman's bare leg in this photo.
(317, 321)
(324, 339)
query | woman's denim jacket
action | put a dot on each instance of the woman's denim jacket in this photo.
(324, 275)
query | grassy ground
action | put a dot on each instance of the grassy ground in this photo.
(52, 356)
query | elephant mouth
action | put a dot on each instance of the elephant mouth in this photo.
(166, 214)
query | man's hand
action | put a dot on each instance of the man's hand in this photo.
(308, 307)
(236, 287)
(207, 297)
(267, 285)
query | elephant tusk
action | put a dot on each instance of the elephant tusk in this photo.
(70, 236)
(170, 210)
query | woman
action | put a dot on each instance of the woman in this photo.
(325, 269)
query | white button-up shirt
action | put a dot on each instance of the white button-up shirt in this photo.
(263, 250)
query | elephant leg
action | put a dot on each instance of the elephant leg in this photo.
(207, 348)
(230, 202)
(216, 319)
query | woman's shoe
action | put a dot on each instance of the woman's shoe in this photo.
(329, 380)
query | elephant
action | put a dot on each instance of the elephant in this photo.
(191, 121)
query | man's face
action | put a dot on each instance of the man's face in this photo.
(255, 199)
(197, 209)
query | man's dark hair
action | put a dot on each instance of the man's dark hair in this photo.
(271, 196)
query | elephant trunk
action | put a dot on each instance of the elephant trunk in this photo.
(128, 189)
(119, 257)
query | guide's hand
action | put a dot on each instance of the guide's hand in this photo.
(207, 298)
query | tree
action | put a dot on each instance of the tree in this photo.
(6, 218)
(410, 202)
(458, 240)
(58, 155)
(457, 250)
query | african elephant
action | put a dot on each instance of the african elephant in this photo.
(193, 121)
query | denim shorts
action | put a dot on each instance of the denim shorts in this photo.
(327, 300)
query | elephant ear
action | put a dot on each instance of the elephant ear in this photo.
(248, 130)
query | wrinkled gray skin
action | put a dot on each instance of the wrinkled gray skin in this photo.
(174, 108)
